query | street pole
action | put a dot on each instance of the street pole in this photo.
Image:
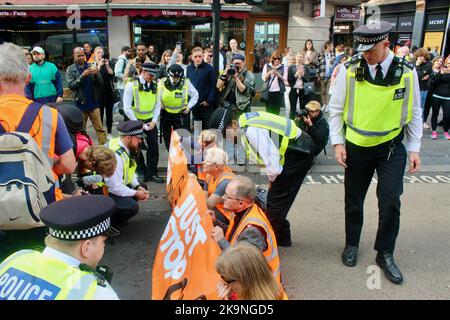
(216, 34)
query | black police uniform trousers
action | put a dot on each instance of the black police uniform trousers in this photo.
(151, 139)
(361, 165)
(173, 121)
(126, 208)
(283, 190)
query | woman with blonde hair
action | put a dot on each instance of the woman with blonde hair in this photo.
(275, 76)
(164, 63)
(246, 275)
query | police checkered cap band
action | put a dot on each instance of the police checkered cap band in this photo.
(81, 234)
(132, 133)
(222, 122)
(371, 40)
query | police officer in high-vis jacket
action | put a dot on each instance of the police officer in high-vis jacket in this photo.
(139, 103)
(287, 153)
(67, 268)
(173, 100)
(375, 104)
(123, 185)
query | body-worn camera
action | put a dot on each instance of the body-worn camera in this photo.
(232, 71)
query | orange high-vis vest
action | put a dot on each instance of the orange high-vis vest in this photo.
(213, 182)
(201, 175)
(12, 109)
(256, 217)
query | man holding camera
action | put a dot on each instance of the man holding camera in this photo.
(237, 86)
(312, 121)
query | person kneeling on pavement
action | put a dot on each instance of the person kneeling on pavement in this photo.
(123, 185)
(67, 268)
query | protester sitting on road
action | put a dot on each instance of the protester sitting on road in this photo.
(248, 223)
(123, 185)
(246, 275)
(66, 269)
(218, 175)
(206, 140)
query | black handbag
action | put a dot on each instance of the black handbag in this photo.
(116, 96)
(265, 90)
(309, 88)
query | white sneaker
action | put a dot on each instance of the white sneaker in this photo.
(109, 137)
(426, 126)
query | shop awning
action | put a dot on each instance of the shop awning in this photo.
(176, 9)
(48, 9)
(170, 13)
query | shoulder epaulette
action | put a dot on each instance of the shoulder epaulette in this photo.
(355, 59)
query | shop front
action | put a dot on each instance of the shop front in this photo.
(163, 28)
(54, 30)
(402, 31)
(345, 20)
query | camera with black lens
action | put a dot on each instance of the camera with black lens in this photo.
(303, 113)
(299, 119)
(232, 71)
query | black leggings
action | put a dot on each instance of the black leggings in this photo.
(293, 98)
(107, 108)
(436, 103)
(275, 102)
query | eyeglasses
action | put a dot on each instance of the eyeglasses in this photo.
(225, 196)
(227, 281)
(276, 58)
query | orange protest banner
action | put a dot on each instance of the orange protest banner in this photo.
(176, 170)
(184, 266)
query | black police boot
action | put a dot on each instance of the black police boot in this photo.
(385, 260)
(349, 255)
(155, 178)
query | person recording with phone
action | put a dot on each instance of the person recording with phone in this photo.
(107, 73)
(134, 66)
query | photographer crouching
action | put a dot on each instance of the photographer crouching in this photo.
(312, 121)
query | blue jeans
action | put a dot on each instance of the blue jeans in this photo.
(423, 97)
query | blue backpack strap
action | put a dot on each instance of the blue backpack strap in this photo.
(28, 117)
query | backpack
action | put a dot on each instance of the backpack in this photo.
(26, 178)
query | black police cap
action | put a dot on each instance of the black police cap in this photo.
(368, 35)
(150, 68)
(131, 128)
(79, 218)
(176, 70)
